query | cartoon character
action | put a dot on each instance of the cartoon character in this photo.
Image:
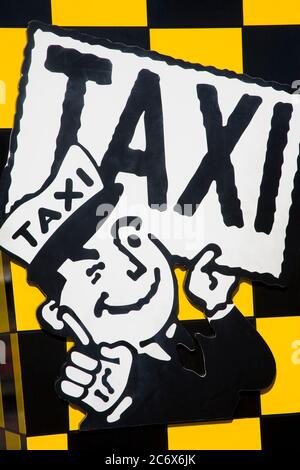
(110, 285)
(128, 298)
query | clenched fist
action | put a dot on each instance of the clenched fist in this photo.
(98, 383)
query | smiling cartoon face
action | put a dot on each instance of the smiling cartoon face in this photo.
(122, 289)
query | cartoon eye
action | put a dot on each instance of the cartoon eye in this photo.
(134, 241)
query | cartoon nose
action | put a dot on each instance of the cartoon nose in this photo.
(139, 270)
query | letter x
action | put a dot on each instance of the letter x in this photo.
(68, 195)
(216, 164)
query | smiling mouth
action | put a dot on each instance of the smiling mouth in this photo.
(123, 309)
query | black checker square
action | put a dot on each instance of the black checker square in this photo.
(152, 438)
(2, 439)
(131, 36)
(194, 13)
(42, 356)
(272, 52)
(280, 432)
(17, 13)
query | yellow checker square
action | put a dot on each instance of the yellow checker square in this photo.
(283, 337)
(270, 12)
(239, 434)
(99, 12)
(51, 442)
(220, 47)
(12, 43)
(26, 298)
(13, 441)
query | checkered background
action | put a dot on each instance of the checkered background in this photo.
(258, 37)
